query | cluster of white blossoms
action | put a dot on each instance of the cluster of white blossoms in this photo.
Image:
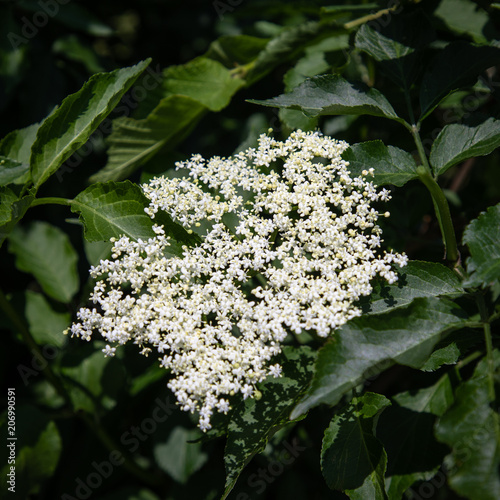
(287, 217)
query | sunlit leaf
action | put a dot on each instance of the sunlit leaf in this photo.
(115, 209)
(416, 279)
(390, 165)
(466, 16)
(204, 80)
(332, 95)
(70, 126)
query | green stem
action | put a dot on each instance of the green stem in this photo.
(443, 213)
(438, 198)
(489, 344)
(494, 317)
(420, 147)
(469, 359)
(489, 357)
(243, 70)
(440, 202)
(369, 17)
(52, 200)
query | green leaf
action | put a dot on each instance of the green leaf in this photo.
(236, 50)
(252, 422)
(186, 93)
(395, 46)
(332, 95)
(471, 427)
(17, 146)
(45, 325)
(286, 45)
(134, 142)
(204, 80)
(37, 451)
(95, 251)
(464, 16)
(70, 126)
(46, 252)
(8, 197)
(366, 346)
(483, 238)
(352, 458)
(93, 380)
(316, 60)
(151, 375)
(459, 141)
(406, 431)
(12, 210)
(451, 349)
(294, 120)
(12, 171)
(391, 165)
(179, 457)
(454, 67)
(416, 279)
(114, 209)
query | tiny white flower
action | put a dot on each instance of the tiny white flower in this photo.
(109, 351)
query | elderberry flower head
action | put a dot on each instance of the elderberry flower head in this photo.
(290, 243)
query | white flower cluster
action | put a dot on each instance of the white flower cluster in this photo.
(288, 216)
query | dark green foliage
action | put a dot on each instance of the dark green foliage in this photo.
(401, 402)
